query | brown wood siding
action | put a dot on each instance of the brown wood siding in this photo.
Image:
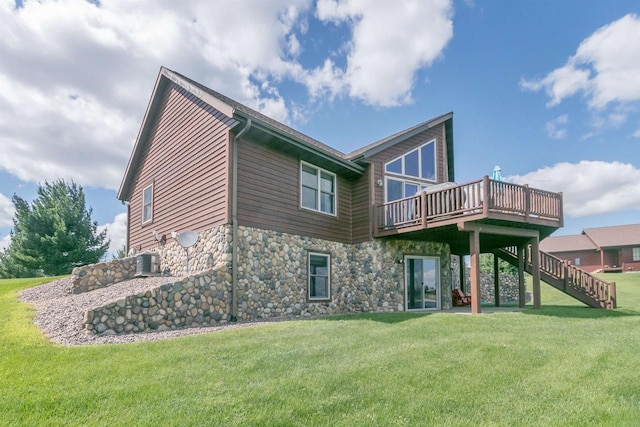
(269, 196)
(379, 159)
(589, 260)
(361, 209)
(186, 159)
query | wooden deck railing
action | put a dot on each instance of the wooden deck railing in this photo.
(567, 275)
(477, 197)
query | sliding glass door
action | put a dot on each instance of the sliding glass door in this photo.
(422, 282)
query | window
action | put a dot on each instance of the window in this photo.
(147, 204)
(318, 189)
(576, 262)
(319, 277)
(400, 188)
(419, 163)
(636, 254)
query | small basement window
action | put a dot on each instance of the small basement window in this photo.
(147, 204)
(319, 277)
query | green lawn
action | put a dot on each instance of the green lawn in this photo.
(562, 365)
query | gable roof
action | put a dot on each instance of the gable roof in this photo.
(570, 243)
(264, 129)
(378, 146)
(618, 235)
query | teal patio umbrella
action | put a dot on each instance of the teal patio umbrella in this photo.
(497, 174)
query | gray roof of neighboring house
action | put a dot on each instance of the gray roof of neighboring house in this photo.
(618, 235)
(570, 243)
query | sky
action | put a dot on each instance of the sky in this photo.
(548, 90)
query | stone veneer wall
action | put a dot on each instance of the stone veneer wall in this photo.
(103, 274)
(212, 250)
(365, 277)
(272, 282)
(199, 300)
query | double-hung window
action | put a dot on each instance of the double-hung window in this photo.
(317, 189)
(636, 254)
(147, 204)
(319, 268)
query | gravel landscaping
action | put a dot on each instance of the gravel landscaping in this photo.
(59, 314)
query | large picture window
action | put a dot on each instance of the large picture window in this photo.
(317, 189)
(419, 163)
(319, 276)
(147, 204)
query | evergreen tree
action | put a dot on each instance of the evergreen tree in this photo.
(54, 234)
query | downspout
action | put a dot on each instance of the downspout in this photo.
(234, 221)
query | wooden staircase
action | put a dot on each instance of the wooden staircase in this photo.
(568, 278)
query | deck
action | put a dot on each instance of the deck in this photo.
(443, 214)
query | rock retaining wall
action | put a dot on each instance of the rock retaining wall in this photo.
(199, 300)
(103, 274)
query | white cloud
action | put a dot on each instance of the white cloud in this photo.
(75, 76)
(382, 61)
(589, 187)
(4, 242)
(7, 211)
(116, 231)
(605, 67)
(555, 128)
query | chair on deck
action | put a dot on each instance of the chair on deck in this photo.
(460, 299)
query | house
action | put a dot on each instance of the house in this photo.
(600, 249)
(303, 229)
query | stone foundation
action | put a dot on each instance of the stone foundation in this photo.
(95, 276)
(365, 277)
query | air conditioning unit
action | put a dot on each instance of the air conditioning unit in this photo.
(147, 264)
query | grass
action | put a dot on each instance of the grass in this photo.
(563, 365)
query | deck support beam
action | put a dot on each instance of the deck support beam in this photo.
(463, 273)
(535, 271)
(496, 281)
(521, 283)
(474, 249)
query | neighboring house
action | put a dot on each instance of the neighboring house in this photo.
(601, 249)
(303, 229)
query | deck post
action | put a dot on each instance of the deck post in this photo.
(486, 196)
(474, 249)
(521, 283)
(462, 273)
(496, 281)
(527, 202)
(535, 271)
(423, 206)
(612, 295)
